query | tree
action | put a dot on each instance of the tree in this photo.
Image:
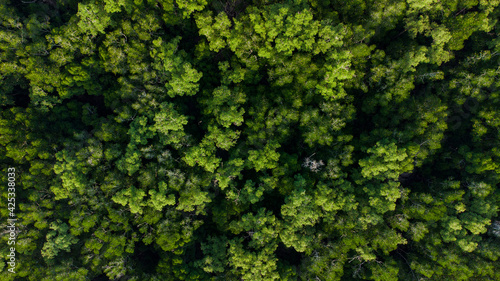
(250, 140)
(386, 162)
(266, 158)
(57, 240)
(94, 18)
(158, 199)
(132, 197)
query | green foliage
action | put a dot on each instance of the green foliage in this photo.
(386, 161)
(224, 103)
(252, 265)
(94, 17)
(57, 240)
(182, 77)
(169, 123)
(250, 140)
(266, 158)
(132, 197)
(215, 254)
(158, 199)
(72, 176)
(203, 155)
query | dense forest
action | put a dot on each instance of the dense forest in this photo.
(250, 140)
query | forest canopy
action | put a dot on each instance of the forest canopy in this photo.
(250, 140)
